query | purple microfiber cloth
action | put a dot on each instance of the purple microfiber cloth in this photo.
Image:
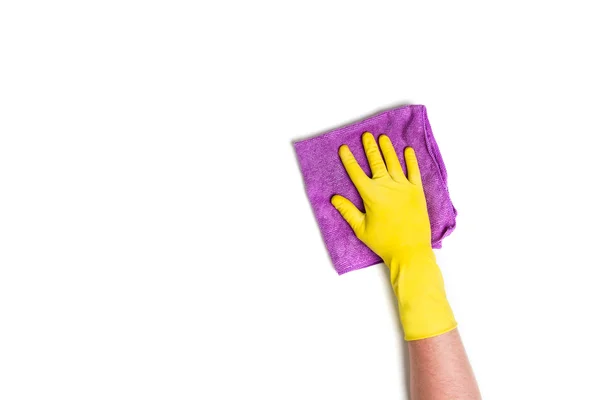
(324, 175)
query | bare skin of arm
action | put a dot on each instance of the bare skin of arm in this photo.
(440, 369)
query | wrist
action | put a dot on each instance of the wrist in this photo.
(419, 287)
(405, 256)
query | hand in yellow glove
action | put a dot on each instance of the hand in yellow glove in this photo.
(395, 225)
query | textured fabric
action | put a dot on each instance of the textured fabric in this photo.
(324, 175)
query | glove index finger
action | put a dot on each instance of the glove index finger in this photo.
(355, 172)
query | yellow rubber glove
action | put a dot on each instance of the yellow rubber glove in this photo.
(395, 225)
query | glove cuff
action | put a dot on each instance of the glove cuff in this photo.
(419, 287)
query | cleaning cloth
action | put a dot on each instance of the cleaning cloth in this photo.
(324, 175)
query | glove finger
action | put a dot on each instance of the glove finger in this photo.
(376, 164)
(412, 166)
(391, 159)
(349, 212)
(355, 172)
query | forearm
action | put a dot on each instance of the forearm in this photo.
(440, 369)
(419, 287)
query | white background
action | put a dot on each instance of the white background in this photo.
(155, 238)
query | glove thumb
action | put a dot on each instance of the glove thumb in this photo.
(349, 212)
